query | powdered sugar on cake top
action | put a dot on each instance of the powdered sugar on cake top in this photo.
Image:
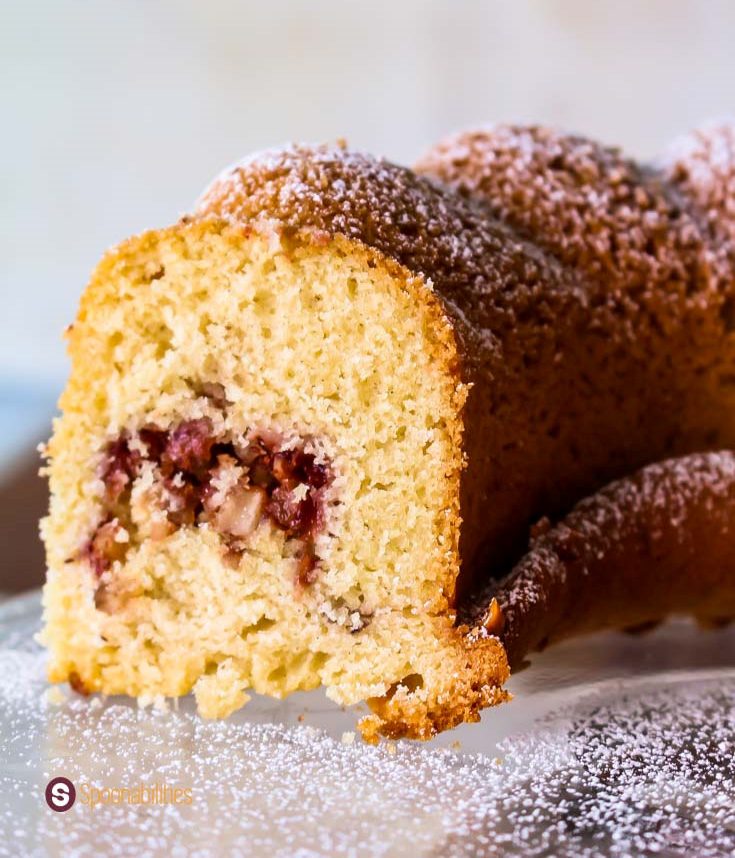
(703, 165)
(330, 191)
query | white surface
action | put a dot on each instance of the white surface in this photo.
(613, 746)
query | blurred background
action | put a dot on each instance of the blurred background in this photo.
(116, 114)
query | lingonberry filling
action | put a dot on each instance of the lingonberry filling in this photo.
(229, 484)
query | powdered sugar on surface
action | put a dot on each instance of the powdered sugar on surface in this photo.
(641, 769)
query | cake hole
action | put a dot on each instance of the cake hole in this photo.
(277, 675)
(318, 660)
(157, 274)
(162, 337)
(263, 624)
(264, 300)
(411, 682)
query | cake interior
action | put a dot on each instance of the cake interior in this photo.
(255, 477)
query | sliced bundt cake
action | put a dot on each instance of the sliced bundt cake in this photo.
(303, 421)
(256, 475)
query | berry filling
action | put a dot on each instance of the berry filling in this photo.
(196, 478)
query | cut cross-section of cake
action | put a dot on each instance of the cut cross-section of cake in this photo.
(305, 422)
(256, 475)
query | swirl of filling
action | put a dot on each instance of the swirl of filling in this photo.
(198, 478)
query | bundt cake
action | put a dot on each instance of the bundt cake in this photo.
(308, 423)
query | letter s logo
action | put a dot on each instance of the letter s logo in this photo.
(60, 794)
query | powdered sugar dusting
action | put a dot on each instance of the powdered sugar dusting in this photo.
(703, 165)
(644, 769)
(456, 244)
(632, 772)
(586, 204)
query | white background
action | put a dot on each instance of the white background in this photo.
(115, 114)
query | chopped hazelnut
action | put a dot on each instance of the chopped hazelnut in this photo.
(494, 619)
(241, 511)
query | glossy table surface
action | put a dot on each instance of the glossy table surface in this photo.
(613, 745)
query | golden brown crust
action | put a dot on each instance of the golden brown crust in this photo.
(596, 211)
(632, 366)
(464, 707)
(660, 542)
